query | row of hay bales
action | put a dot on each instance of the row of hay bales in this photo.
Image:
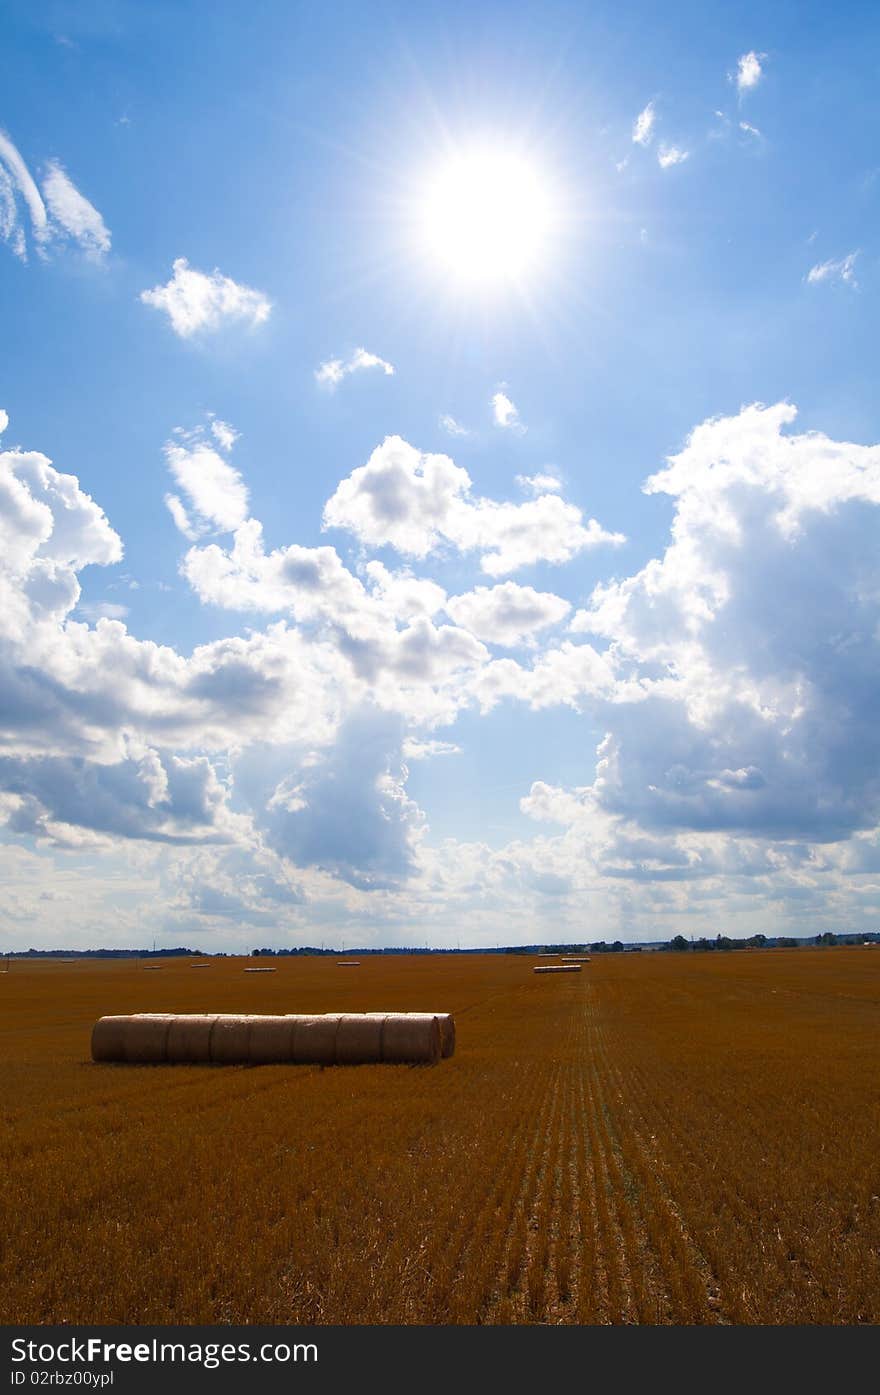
(333, 1038)
(556, 969)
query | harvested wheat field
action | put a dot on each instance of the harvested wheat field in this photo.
(664, 1139)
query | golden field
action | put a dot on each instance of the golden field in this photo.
(659, 1139)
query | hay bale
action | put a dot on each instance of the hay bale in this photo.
(556, 969)
(410, 1038)
(145, 1039)
(108, 1039)
(314, 1038)
(348, 963)
(230, 1040)
(358, 1039)
(189, 1038)
(447, 1030)
(261, 970)
(271, 1040)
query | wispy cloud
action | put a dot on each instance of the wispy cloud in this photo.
(18, 180)
(60, 212)
(505, 413)
(333, 370)
(643, 128)
(194, 300)
(748, 70)
(453, 427)
(669, 155)
(72, 211)
(750, 130)
(841, 269)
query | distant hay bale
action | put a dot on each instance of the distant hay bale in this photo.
(332, 1038)
(267, 970)
(348, 963)
(152, 966)
(202, 964)
(556, 969)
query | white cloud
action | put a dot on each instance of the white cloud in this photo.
(4, 420)
(842, 269)
(643, 129)
(18, 179)
(748, 70)
(540, 484)
(225, 435)
(103, 610)
(332, 372)
(195, 301)
(453, 427)
(215, 488)
(415, 502)
(669, 155)
(505, 414)
(742, 653)
(414, 749)
(506, 614)
(182, 521)
(72, 212)
(749, 130)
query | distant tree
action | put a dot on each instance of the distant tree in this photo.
(616, 947)
(599, 947)
(786, 942)
(723, 942)
(678, 943)
(826, 938)
(757, 941)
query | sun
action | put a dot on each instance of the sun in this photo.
(486, 216)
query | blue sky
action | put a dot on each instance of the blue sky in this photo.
(273, 668)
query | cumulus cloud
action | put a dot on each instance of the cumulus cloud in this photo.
(506, 614)
(72, 212)
(505, 414)
(669, 155)
(196, 301)
(344, 811)
(417, 502)
(643, 129)
(743, 651)
(842, 269)
(749, 70)
(331, 373)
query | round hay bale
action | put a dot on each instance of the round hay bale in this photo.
(556, 969)
(145, 1038)
(189, 1038)
(358, 1039)
(410, 1038)
(447, 1030)
(108, 1039)
(314, 1038)
(271, 1040)
(230, 1039)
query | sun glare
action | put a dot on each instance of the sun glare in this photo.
(486, 216)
